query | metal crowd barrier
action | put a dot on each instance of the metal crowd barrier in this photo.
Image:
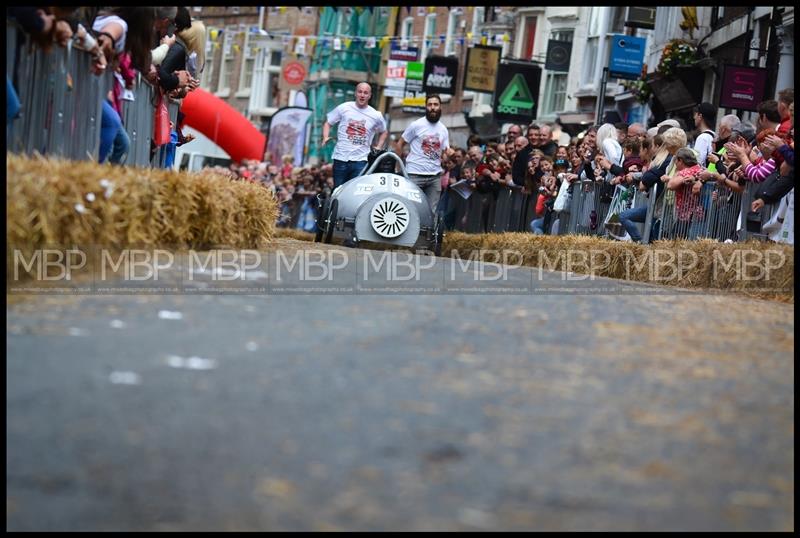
(507, 210)
(137, 118)
(61, 104)
(61, 101)
(714, 213)
(747, 197)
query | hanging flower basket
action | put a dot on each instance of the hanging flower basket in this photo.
(676, 53)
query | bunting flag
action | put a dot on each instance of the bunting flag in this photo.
(347, 42)
(337, 44)
(312, 41)
(370, 44)
(483, 40)
(282, 9)
(384, 41)
(432, 9)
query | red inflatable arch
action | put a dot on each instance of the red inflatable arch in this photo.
(224, 125)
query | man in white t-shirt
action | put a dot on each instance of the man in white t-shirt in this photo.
(358, 125)
(705, 118)
(429, 140)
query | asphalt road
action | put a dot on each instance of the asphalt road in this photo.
(544, 411)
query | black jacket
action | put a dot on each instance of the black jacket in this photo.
(549, 149)
(519, 168)
(174, 61)
(653, 176)
(775, 187)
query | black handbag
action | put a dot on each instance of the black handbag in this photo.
(753, 222)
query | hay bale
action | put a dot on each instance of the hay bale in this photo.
(706, 262)
(55, 202)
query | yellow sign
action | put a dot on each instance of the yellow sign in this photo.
(481, 70)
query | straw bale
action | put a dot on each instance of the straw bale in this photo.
(705, 262)
(60, 203)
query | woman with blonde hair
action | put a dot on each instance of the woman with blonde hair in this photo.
(609, 146)
(672, 140)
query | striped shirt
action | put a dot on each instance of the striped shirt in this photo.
(759, 172)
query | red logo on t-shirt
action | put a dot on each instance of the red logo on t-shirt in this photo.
(431, 147)
(357, 132)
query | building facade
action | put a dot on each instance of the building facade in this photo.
(754, 36)
(245, 49)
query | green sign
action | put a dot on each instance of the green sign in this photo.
(414, 100)
(518, 87)
(516, 99)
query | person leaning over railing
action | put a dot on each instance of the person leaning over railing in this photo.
(672, 139)
(687, 185)
(120, 30)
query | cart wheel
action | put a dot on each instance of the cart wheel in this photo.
(331, 221)
(321, 220)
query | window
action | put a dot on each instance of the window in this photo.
(592, 46)
(478, 15)
(555, 93)
(562, 34)
(248, 65)
(228, 60)
(666, 21)
(208, 69)
(428, 35)
(450, 42)
(618, 24)
(717, 16)
(407, 29)
(530, 37)
(555, 89)
(340, 22)
(265, 77)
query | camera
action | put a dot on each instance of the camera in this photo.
(637, 176)
(561, 176)
(542, 189)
